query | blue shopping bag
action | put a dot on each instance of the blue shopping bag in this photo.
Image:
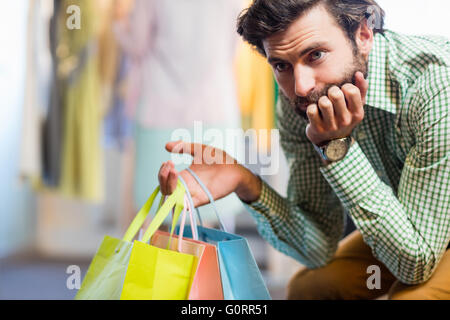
(240, 275)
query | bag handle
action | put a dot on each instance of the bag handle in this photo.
(140, 217)
(186, 208)
(174, 223)
(191, 207)
(175, 199)
(183, 219)
(210, 197)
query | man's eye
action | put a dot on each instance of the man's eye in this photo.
(317, 55)
(281, 67)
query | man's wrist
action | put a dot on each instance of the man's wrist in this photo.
(249, 187)
(322, 151)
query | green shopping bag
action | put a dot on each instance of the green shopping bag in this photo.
(106, 273)
(155, 273)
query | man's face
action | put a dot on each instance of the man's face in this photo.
(311, 56)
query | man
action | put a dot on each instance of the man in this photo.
(364, 124)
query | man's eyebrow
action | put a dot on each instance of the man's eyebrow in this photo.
(310, 48)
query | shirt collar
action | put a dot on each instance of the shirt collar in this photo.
(383, 91)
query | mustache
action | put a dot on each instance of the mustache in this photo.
(300, 103)
(313, 98)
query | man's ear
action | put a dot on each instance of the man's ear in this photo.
(364, 38)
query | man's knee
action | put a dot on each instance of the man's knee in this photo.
(337, 280)
(306, 284)
(400, 291)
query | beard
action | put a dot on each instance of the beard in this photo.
(300, 103)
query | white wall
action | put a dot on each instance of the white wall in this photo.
(417, 16)
(16, 200)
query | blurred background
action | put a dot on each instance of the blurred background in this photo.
(91, 90)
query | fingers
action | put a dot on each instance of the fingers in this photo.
(332, 111)
(354, 101)
(196, 150)
(184, 147)
(313, 115)
(202, 154)
(168, 178)
(342, 114)
(173, 179)
(327, 112)
(362, 84)
(336, 114)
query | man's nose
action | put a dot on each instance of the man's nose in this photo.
(304, 81)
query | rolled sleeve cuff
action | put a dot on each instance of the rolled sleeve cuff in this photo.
(353, 178)
(269, 204)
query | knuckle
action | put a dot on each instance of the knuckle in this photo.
(334, 127)
(335, 93)
(345, 121)
(324, 101)
(319, 130)
(354, 91)
(350, 89)
(311, 111)
(358, 117)
(345, 87)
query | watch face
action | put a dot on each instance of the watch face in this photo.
(336, 150)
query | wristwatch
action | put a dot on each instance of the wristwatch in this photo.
(334, 150)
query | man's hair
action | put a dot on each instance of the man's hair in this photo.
(267, 17)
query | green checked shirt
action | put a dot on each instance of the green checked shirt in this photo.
(394, 181)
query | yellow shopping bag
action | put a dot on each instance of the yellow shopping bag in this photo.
(160, 274)
(207, 283)
(106, 273)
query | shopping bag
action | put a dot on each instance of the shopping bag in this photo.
(106, 273)
(155, 273)
(207, 283)
(240, 275)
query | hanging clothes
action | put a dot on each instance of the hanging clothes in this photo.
(118, 126)
(108, 50)
(181, 55)
(82, 172)
(114, 67)
(36, 90)
(52, 132)
(256, 93)
(184, 51)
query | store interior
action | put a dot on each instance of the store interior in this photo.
(91, 93)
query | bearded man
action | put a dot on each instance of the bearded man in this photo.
(364, 123)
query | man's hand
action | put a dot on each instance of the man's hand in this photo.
(220, 173)
(340, 112)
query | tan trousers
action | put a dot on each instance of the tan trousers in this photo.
(345, 277)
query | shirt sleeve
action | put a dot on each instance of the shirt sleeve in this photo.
(408, 231)
(308, 224)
